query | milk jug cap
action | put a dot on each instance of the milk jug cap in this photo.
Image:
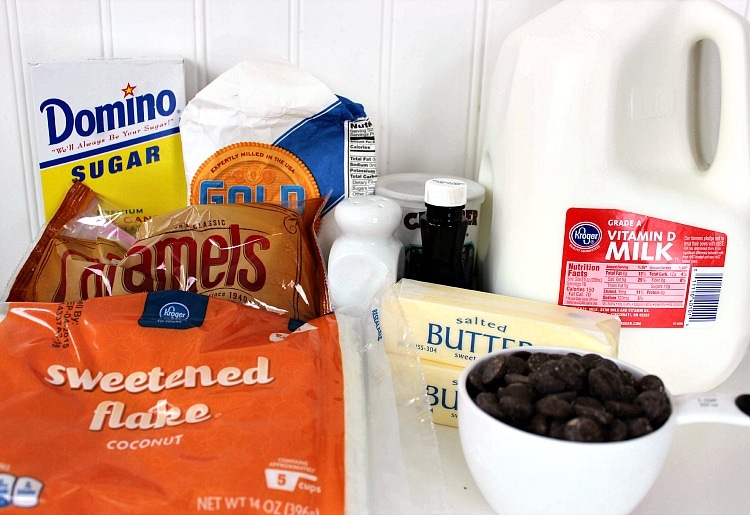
(445, 192)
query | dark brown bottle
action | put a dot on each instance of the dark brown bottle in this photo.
(443, 227)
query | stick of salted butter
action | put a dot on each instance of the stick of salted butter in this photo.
(441, 387)
(454, 326)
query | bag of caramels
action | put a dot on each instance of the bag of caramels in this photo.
(264, 255)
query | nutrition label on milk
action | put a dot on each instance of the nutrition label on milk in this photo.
(647, 271)
(626, 285)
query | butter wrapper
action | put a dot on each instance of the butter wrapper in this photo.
(114, 125)
(441, 389)
(455, 326)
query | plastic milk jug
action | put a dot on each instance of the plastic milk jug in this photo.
(603, 192)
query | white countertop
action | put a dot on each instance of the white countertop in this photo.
(707, 469)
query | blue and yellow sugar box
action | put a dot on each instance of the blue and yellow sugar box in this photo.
(113, 124)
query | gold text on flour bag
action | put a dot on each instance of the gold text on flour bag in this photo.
(253, 172)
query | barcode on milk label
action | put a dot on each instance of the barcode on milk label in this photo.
(703, 297)
(650, 272)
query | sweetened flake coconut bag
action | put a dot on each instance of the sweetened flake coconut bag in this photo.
(175, 402)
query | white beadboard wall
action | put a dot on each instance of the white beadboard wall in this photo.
(417, 66)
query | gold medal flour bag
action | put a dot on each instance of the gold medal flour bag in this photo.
(266, 130)
(169, 402)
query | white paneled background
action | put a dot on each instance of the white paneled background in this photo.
(418, 66)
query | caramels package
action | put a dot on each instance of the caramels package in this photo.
(261, 254)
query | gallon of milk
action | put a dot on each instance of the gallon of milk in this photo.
(605, 188)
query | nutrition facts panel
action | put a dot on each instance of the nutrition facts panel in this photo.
(617, 285)
(361, 163)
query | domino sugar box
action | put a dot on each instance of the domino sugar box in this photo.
(114, 124)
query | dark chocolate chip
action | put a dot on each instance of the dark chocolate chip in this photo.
(639, 427)
(651, 382)
(583, 429)
(605, 384)
(488, 403)
(557, 428)
(539, 424)
(592, 408)
(516, 410)
(571, 372)
(521, 390)
(516, 378)
(554, 407)
(622, 409)
(522, 354)
(617, 431)
(516, 365)
(493, 372)
(591, 360)
(656, 406)
(474, 383)
(545, 382)
(629, 393)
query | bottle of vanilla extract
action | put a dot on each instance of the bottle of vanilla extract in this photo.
(443, 226)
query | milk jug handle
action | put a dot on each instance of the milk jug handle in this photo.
(709, 20)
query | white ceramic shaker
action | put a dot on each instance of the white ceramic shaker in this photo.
(366, 258)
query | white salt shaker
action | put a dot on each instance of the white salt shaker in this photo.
(366, 258)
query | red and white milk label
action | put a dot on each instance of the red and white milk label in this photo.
(650, 272)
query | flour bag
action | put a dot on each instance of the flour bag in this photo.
(268, 131)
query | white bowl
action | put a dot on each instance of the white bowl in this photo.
(521, 472)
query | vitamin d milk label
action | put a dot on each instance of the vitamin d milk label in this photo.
(649, 272)
(114, 125)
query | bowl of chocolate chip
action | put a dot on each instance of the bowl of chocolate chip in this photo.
(550, 430)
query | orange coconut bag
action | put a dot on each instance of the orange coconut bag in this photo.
(169, 402)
